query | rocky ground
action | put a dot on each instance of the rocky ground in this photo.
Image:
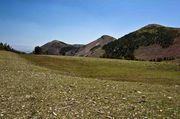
(31, 91)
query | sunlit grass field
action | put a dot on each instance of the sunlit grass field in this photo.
(41, 87)
(110, 69)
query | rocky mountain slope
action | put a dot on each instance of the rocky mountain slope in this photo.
(94, 49)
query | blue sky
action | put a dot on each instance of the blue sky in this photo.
(25, 24)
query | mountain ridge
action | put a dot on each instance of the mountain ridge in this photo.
(150, 42)
(93, 49)
(148, 35)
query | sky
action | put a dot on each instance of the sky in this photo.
(25, 24)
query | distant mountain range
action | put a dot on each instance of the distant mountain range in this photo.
(93, 49)
(151, 42)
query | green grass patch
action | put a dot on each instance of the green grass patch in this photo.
(110, 69)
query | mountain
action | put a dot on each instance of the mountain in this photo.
(73, 49)
(56, 47)
(94, 49)
(152, 42)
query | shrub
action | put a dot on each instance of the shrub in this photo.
(37, 50)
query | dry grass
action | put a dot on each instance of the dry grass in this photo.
(31, 91)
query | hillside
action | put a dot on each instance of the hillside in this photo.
(59, 48)
(110, 69)
(152, 42)
(94, 49)
(6, 47)
(51, 87)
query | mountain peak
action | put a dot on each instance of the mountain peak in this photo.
(106, 36)
(153, 26)
(55, 41)
(94, 49)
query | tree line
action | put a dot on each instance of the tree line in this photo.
(7, 47)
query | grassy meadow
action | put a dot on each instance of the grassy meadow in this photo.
(110, 69)
(50, 87)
